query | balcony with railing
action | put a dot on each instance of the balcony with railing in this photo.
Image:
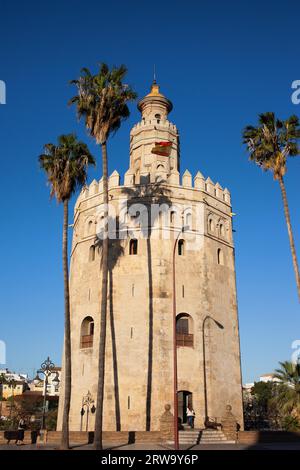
(86, 341)
(184, 339)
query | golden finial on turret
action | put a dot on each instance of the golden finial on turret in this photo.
(154, 89)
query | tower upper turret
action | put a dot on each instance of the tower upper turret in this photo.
(147, 160)
(155, 104)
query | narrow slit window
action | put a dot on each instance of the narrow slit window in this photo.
(172, 217)
(133, 247)
(181, 247)
(92, 253)
(220, 256)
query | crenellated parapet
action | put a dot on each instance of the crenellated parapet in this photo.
(198, 183)
(158, 123)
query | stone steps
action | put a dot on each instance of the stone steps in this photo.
(206, 436)
(213, 436)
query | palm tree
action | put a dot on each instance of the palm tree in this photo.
(269, 145)
(288, 390)
(102, 102)
(3, 381)
(66, 167)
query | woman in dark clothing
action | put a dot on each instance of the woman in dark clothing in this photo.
(20, 434)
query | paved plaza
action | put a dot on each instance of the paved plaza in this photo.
(149, 446)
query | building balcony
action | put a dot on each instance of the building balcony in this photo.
(86, 341)
(185, 340)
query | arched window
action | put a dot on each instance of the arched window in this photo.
(220, 256)
(222, 230)
(160, 167)
(188, 221)
(181, 247)
(133, 246)
(92, 252)
(184, 330)
(211, 225)
(87, 333)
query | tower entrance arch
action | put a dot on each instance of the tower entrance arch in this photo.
(185, 399)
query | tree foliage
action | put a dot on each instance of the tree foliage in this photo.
(102, 100)
(65, 165)
(272, 141)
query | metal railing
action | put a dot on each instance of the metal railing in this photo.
(86, 341)
(185, 340)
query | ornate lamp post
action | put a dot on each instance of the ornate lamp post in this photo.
(88, 403)
(219, 325)
(47, 368)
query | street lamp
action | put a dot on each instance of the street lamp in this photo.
(56, 380)
(87, 402)
(36, 380)
(47, 368)
(219, 325)
(176, 439)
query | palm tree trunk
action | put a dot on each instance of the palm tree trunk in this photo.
(290, 233)
(67, 345)
(150, 336)
(101, 363)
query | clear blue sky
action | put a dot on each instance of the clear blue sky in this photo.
(221, 63)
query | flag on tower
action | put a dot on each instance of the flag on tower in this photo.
(162, 148)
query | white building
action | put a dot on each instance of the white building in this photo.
(53, 385)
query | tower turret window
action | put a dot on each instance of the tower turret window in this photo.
(133, 246)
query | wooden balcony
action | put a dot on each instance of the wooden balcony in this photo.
(86, 341)
(184, 340)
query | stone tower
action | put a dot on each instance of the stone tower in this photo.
(157, 220)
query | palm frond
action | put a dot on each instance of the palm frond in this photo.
(66, 165)
(272, 141)
(102, 100)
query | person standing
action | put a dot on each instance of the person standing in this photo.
(20, 432)
(190, 413)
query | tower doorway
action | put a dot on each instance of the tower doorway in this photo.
(185, 399)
